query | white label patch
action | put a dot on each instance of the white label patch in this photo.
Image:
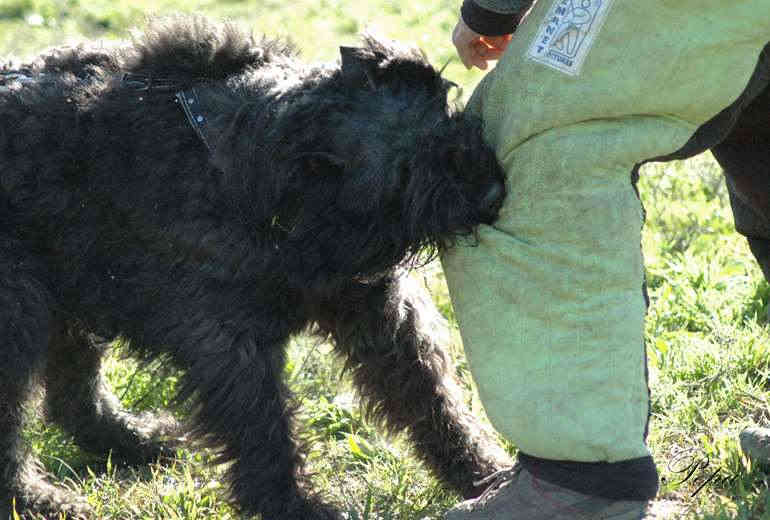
(567, 34)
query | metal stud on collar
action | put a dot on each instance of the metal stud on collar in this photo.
(192, 108)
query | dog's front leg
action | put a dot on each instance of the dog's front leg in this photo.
(393, 338)
(234, 374)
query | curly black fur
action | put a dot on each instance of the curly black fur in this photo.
(323, 181)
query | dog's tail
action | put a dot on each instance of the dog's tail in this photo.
(188, 48)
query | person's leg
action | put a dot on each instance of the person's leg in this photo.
(555, 342)
(550, 302)
(745, 158)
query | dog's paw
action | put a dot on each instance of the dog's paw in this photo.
(36, 499)
(145, 437)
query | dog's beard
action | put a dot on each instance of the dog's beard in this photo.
(439, 215)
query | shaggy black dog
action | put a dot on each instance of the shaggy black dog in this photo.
(206, 196)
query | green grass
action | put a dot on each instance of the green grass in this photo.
(707, 326)
(318, 28)
(707, 340)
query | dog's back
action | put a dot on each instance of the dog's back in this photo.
(56, 110)
(86, 178)
(40, 103)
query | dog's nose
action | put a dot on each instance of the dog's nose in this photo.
(491, 202)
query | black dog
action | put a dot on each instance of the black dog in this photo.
(206, 196)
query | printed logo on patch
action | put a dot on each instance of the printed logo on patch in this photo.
(567, 34)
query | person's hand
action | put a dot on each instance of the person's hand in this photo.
(475, 49)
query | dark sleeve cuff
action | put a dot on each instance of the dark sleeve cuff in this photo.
(488, 23)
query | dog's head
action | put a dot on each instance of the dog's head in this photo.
(378, 166)
(413, 171)
(408, 141)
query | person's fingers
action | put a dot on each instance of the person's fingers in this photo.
(487, 52)
(497, 42)
(483, 54)
(479, 62)
(476, 50)
(466, 56)
(480, 55)
(464, 39)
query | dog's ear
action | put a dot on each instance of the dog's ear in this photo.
(359, 67)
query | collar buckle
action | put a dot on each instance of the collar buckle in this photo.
(148, 83)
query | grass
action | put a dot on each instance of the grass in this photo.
(707, 330)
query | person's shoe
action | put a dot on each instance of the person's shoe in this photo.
(515, 494)
(755, 444)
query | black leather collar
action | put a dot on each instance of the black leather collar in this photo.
(188, 99)
(148, 83)
(199, 116)
(193, 109)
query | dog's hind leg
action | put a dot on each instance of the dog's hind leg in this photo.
(393, 337)
(26, 322)
(80, 401)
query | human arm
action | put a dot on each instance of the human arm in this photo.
(484, 29)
